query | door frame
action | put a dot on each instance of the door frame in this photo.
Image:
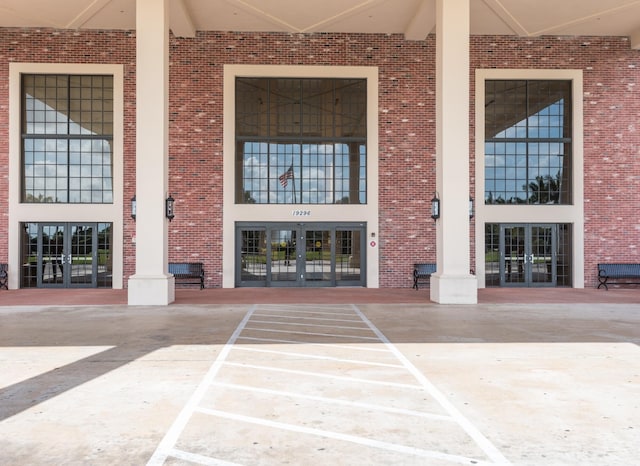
(300, 253)
(525, 257)
(62, 260)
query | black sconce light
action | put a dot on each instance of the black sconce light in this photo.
(435, 207)
(133, 207)
(169, 208)
(471, 210)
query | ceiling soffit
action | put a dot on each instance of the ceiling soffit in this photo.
(413, 18)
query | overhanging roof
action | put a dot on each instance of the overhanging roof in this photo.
(413, 18)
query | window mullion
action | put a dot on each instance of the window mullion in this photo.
(68, 140)
(528, 141)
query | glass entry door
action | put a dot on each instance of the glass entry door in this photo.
(66, 255)
(528, 254)
(300, 255)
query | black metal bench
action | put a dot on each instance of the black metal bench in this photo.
(619, 274)
(4, 276)
(422, 272)
(188, 273)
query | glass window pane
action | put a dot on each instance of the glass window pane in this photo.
(534, 120)
(300, 141)
(57, 106)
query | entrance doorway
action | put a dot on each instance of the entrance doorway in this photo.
(527, 255)
(300, 255)
(66, 255)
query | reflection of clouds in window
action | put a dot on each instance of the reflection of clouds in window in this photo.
(525, 159)
(305, 134)
(57, 168)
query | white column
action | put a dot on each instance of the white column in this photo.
(453, 282)
(151, 284)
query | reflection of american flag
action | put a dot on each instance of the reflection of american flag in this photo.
(285, 176)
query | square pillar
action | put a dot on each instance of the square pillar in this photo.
(453, 282)
(151, 284)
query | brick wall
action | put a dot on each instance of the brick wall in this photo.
(406, 133)
(407, 136)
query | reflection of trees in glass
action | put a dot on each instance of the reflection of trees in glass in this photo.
(544, 190)
(527, 139)
(248, 199)
(40, 198)
(315, 126)
(501, 200)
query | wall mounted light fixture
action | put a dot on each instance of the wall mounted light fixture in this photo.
(133, 207)
(169, 208)
(435, 207)
(471, 209)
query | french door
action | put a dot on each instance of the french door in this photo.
(528, 255)
(300, 255)
(66, 255)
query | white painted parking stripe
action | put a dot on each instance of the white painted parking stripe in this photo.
(319, 357)
(323, 375)
(331, 319)
(199, 459)
(172, 435)
(325, 345)
(316, 310)
(307, 324)
(358, 337)
(490, 450)
(344, 437)
(336, 401)
(167, 449)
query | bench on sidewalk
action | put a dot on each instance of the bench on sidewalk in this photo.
(422, 272)
(618, 274)
(188, 273)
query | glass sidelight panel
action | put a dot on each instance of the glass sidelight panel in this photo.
(492, 255)
(348, 251)
(29, 255)
(105, 255)
(253, 256)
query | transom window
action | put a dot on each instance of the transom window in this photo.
(301, 141)
(67, 135)
(528, 142)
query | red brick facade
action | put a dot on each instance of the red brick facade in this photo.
(406, 129)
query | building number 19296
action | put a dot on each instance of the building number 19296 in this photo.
(301, 213)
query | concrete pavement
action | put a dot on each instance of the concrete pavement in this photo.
(287, 383)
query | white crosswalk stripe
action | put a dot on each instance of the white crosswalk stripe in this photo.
(333, 389)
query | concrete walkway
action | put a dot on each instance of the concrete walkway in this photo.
(343, 383)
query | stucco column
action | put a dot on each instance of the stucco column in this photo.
(453, 283)
(151, 283)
